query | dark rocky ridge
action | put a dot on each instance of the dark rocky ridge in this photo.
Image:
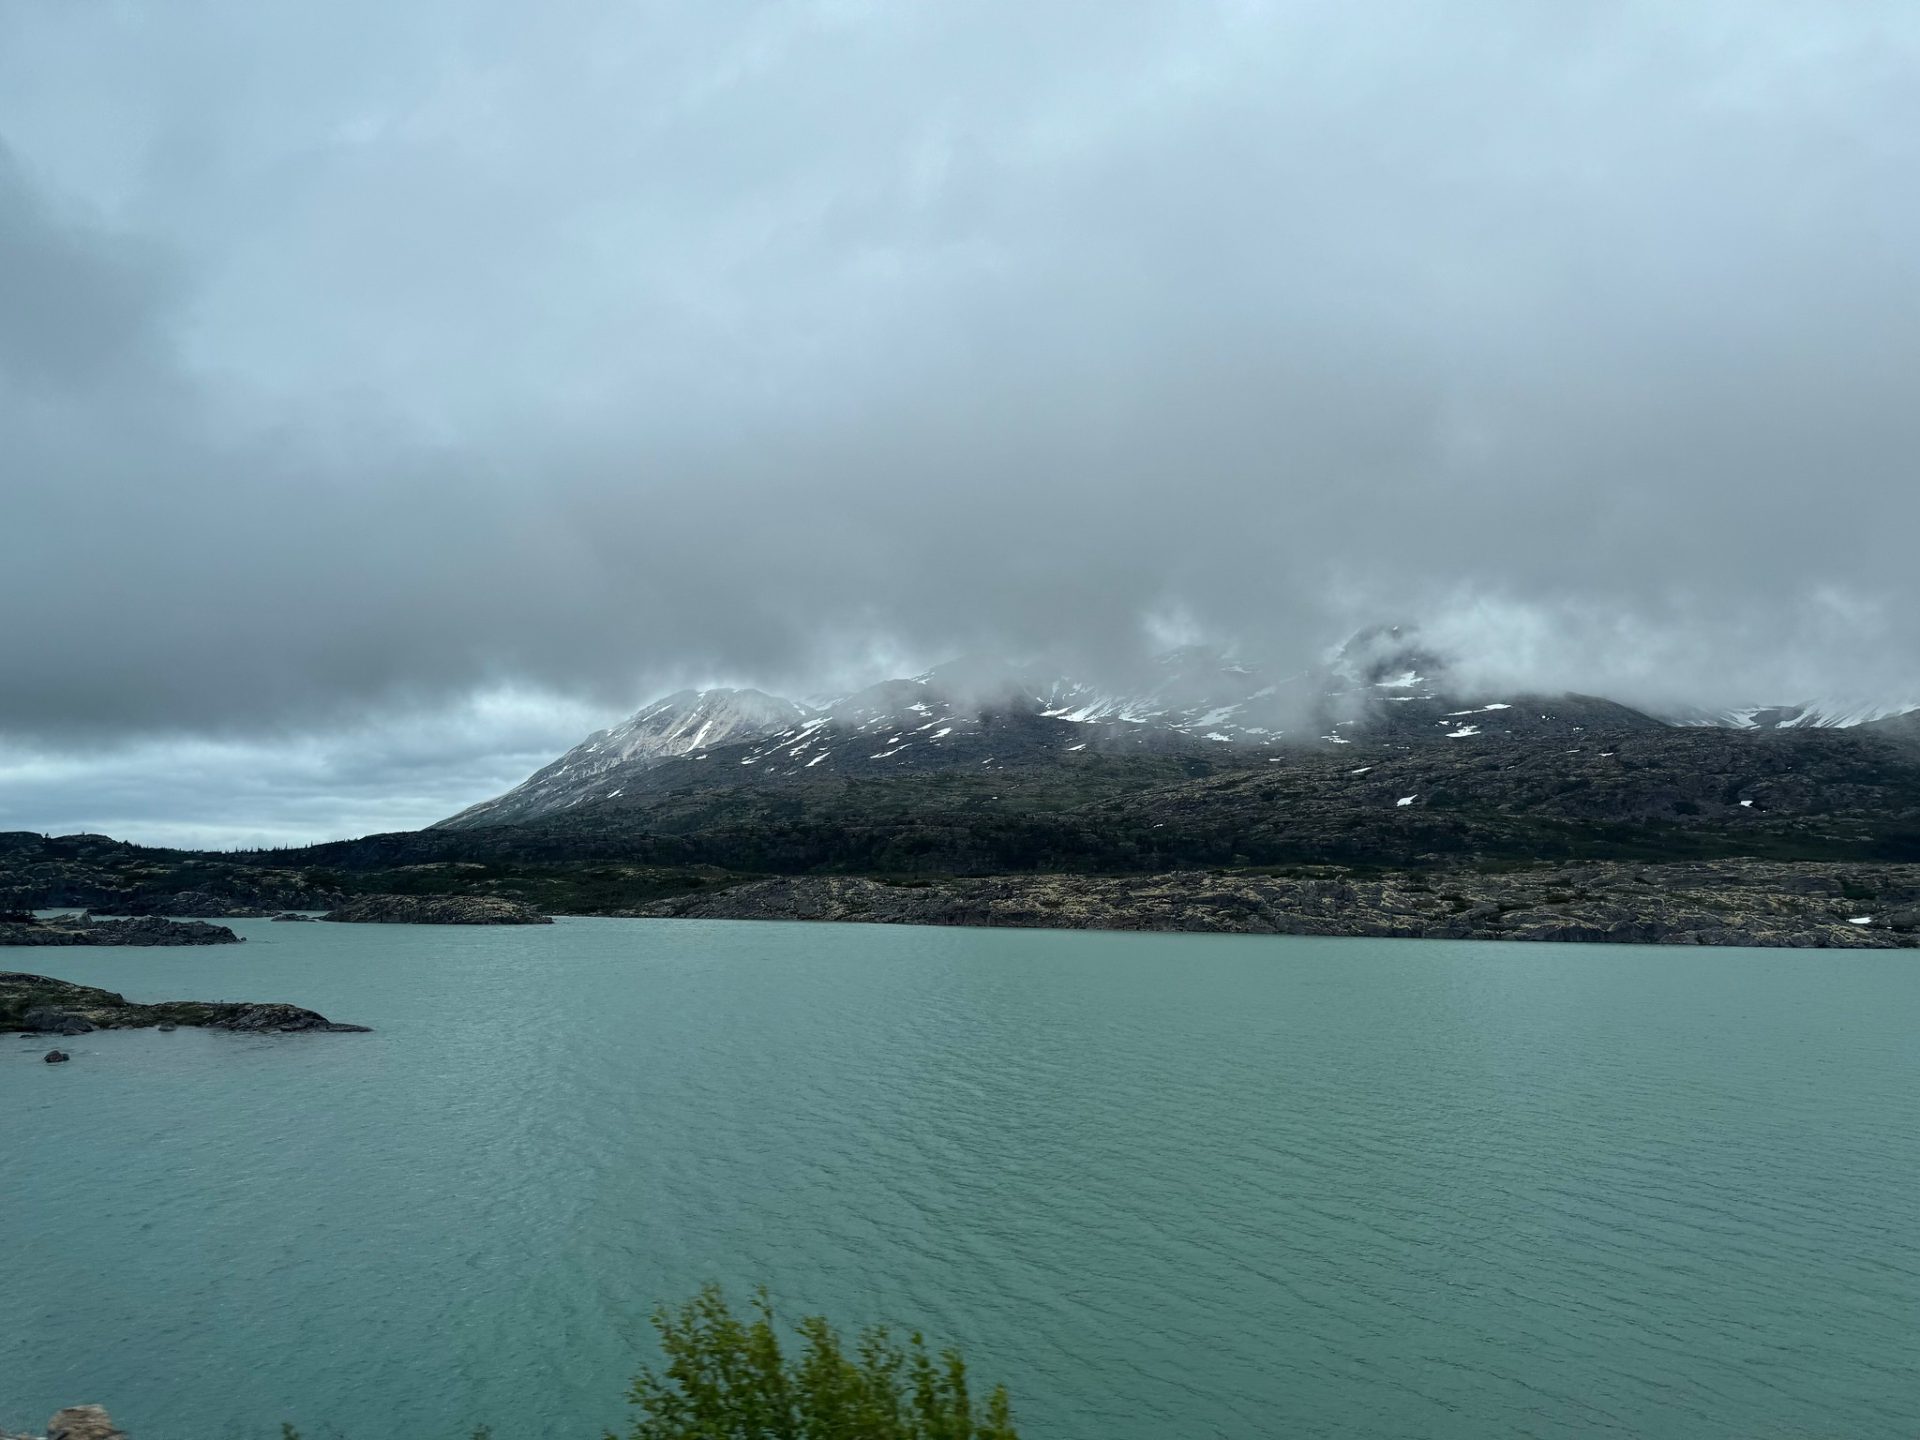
(37, 1004)
(111, 877)
(48, 872)
(1720, 903)
(435, 910)
(85, 930)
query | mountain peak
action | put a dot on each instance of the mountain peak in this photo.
(683, 723)
(690, 720)
(1389, 657)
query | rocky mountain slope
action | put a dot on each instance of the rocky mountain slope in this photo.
(1828, 714)
(689, 722)
(1381, 687)
(1658, 793)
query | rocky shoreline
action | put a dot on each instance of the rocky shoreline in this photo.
(435, 910)
(22, 929)
(41, 1005)
(206, 904)
(1855, 907)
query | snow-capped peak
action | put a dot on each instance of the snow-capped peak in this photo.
(1384, 682)
(693, 720)
(1831, 713)
(687, 722)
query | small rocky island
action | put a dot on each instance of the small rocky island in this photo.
(435, 910)
(76, 1422)
(40, 1005)
(23, 928)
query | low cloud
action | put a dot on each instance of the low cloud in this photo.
(388, 772)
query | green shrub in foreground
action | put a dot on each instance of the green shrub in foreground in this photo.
(727, 1378)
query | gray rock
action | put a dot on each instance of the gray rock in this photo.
(1730, 902)
(25, 996)
(56, 1057)
(43, 1021)
(83, 1422)
(435, 910)
(141, 930)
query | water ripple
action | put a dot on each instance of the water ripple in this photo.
(1164, 1186)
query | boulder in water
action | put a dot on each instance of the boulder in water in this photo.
(83, 1422)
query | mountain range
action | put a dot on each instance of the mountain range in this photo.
(1383, 689)
(1373, 794)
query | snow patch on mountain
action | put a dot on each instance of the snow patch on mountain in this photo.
(1827, 714)
(689, 722)
(1384, 686)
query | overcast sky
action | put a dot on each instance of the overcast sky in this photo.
(391, 393)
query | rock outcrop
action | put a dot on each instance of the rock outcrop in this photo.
(435, 910)
(38, 1004)
(184, 903)
(1710, 903)
(76, 1422)
(83, 1422)
(85, 930)
(112, 877)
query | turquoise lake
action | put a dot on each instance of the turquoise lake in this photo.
(1162, 1186)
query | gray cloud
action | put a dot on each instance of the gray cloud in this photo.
(393, 773)
(356, 363)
